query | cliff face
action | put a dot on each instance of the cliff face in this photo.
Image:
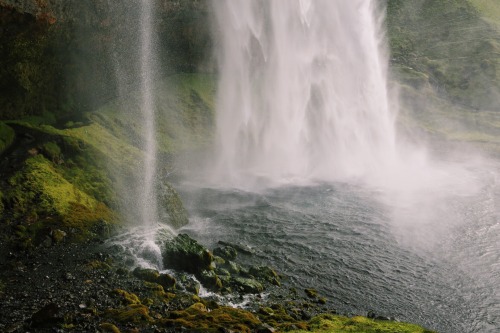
(448, 45)
(63, 57)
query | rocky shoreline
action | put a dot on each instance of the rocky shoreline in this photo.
(88, 288)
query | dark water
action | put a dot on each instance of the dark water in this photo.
(341, 239)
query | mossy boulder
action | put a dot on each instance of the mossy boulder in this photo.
(246, 285)
(226, 252)
(186, 254)
(265, 273)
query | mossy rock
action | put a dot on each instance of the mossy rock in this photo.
(146, 274)
(266, 274)
(186, 254)
(226, 252)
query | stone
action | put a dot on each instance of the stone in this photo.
(184, 253)
(247, 285)
(210, 280)
(265, 273)
(166, 281)
(146, 274)
(226, 252)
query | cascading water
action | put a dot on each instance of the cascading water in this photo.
(148, 207)
(145, 233)
(308, 171)
(302, 92)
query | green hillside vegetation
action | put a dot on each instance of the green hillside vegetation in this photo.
(446, 56)
(74, 175)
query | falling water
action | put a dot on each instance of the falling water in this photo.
(148, 195)
(143, 238)
(302, 93)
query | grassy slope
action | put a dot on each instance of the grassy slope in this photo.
(74, 176)
(339, 324)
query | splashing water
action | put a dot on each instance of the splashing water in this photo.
(303, 98)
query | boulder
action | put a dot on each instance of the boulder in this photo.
(266, 274)
(247, 285)
(226, 252)
(184, 253)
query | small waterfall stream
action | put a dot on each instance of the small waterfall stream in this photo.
(148, 198)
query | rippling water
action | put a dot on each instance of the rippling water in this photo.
(346, 241)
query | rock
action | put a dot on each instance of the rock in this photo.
(232, 267)
(265, 328)
(146, 274)
(58, 236)
(265, 273)
(210, 280)
(373, 315)
(247, 285)
(226, 252)
(166, 281)
(311, 293)
(184, 253)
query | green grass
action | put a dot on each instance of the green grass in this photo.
(339, 324)
(490, 9)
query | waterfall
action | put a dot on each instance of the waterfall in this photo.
(303, 92)
(148, 198)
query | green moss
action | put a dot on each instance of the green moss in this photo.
(39, 186)
(97, 265)
(339, 324)
(126, 297)
(52, 151)
(134, 313)
(108, 327)
(199, 319)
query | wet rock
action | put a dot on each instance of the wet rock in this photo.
(184, 253)
(311, 293)
(226, 252)
(210, 280)
(247, 285)
(232, 267)
(372, 315)
(146, 274)
(265, 273)
(166, 281)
